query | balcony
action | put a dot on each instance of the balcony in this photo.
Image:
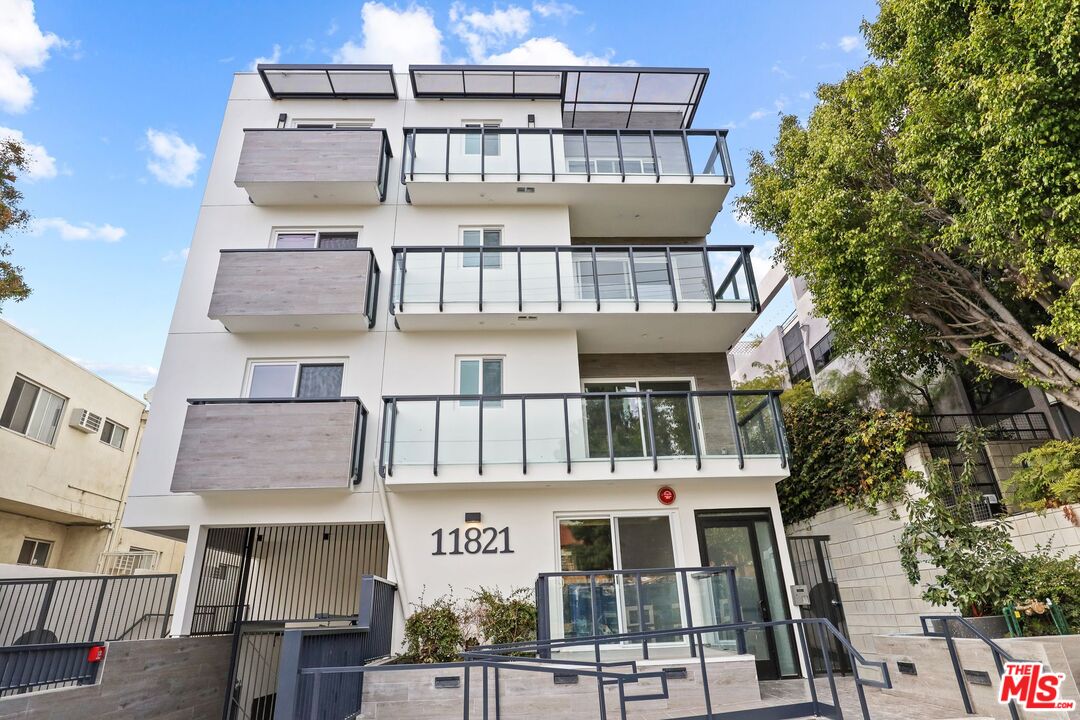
(469, 441)
(617, 298)
(314, 166)
(271, 444)
(628, 183)
(283, 289)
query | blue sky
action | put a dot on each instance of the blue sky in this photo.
(122, 103)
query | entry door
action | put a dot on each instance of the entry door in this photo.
(738, 541)
(813, 568)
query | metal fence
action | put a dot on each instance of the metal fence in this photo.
(84, 609)
(128, 563)
(26, 668)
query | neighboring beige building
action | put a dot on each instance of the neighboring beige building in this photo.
(68, 442)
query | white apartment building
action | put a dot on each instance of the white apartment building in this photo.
(459, 327)
(68, 441)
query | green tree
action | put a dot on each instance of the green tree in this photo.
(12, 161)
(932, 200)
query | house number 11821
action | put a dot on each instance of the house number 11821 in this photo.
(476, 541)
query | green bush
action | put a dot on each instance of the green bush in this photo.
(1043, 576)
(434, 633)
(1048, 476)
(501, 619)
(440, 630)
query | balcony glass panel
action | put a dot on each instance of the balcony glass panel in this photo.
(461, 282)
(612, 273)
(637, 155)
(729, 277)
(651, 272)
(714, 420)
(500, 276)
(538, 277)
(603, 153)
(426, 153)
(671, 154)
(421, 277)
(688, 267)
(413, 433)
(502, 432)
(546, 431)
(536, 154)
(705, 154)
(756, 424)
(671, 424)
(459, 432)
(711, 601)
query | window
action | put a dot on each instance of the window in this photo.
(35, 552)
(472, 140)
(33, 411)
(289, 379)
(113, 434)
(672, 429)
(331, 124)
(323, 240)
(480, 376)
(795, 355)
(475, 237)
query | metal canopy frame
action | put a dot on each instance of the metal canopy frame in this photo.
(327, 73)
(570, 91)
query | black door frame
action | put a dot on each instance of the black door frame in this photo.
(745, 517)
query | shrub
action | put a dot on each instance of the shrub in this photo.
(433, 633)
(1049, 476)
(1042, 576)
(501, 619)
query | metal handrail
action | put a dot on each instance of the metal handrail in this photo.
(359, 439)
(717, 164)
(494, 658)
(715, 292)
(769, 400)
(999, 654)
(543, 626)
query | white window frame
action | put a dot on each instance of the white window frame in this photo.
(334, 122)
(478, 125)
(462, 229)
(616, 554)
(110, 422)
(37, 542)
(317, 232)
(458, 359)
(249, 372)
(37, 399)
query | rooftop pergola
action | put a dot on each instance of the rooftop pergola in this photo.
(630, 93)
(626, 97)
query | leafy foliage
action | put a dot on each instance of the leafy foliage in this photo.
(1043, 576)
(434, 632)
(12, 160)
(841, 453)
(975, 561)
(504, 618)
(440, 630)
(932, 200)
(1049, 476)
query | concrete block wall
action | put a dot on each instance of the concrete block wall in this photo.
(874, 590)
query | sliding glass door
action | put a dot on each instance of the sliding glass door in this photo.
(668, 417)
(607, 604)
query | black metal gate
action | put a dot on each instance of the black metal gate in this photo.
(813, 568)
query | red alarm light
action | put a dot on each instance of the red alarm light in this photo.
(96, 654)
(665, 495)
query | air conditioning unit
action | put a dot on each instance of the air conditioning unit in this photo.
(85, 420)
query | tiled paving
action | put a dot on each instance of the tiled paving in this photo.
(880, 705)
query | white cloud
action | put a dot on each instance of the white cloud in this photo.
(758, 114)
(40, 165)
(481, 32)
(549, 51)
(561, 10)
(806, 95)
(394, 36)
(174, 162)
(275, 56)
(740, 219)
(82, 231)
(849, 43)
(174, 255)
(778, 70)
(23, 46)
(122, 372)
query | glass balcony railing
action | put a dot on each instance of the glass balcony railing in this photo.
(567, 428)
(533, 154)
(705, 275)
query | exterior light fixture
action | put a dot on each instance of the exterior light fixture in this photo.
(473, 518)
(532, 120)
(281, 120)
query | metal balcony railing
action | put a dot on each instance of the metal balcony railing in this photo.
(550, 153)
(127, 563)
(568, 428)
(527, 274)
